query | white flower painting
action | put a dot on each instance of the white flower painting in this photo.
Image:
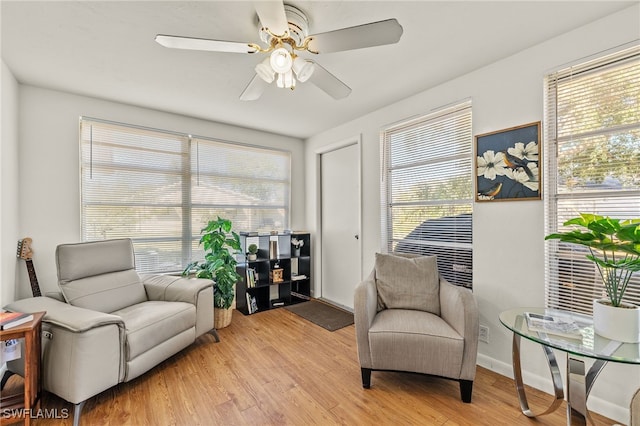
(507, 164)
(491, 165)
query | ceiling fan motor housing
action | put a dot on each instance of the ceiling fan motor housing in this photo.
(298, 28)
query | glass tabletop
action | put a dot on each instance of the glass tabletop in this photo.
(589, 345)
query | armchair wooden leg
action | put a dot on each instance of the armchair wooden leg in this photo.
(466, 386)
(366, 377)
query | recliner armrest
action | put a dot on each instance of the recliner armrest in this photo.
(62, 314)
(82, 354)
(196, 291)
(169, 288)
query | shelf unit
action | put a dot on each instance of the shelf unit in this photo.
(291, 269)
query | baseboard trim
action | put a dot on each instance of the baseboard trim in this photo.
(597, 405)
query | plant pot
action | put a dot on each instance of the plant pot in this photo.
(251, 257)
(296, 252)
(621, 324)
(221, 317)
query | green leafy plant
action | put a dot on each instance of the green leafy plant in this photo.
(253, 249)
(614, 246)
(219, 265)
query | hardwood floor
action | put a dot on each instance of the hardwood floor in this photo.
(275, 368)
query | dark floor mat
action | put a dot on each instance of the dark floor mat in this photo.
(322, 314)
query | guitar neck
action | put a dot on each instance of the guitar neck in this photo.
(33, 279)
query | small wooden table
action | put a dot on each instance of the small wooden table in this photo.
(22, 405)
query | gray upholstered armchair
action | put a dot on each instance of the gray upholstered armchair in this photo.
(110, 325)
(409, 319)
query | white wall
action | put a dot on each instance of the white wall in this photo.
(9, 184)
(49, 164)
(508, 262)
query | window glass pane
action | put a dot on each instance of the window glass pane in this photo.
(428, 189)
(248, 184)
(593, 124)
(445, 180)
(161, 188)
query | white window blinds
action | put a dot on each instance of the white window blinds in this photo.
(246, 184)
(593, 166)
(160, 189)
(427, 190)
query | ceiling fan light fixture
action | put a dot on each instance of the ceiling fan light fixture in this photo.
(281, 60)
(264, 70)
(286, 80)
(303, 69)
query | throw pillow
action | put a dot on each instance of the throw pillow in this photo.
(408, 283)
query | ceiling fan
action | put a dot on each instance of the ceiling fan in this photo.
(283, 29)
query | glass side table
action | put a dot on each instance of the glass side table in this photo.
(579, 382)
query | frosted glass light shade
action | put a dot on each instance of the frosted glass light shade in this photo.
(264, 70)
(286, 80)
(289, 80)
(303, 69)
(281, 60)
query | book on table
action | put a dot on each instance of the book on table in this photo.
(13, 319)
(553, 325)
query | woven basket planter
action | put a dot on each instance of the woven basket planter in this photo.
(221, 317)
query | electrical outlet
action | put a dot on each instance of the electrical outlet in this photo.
(483, 336)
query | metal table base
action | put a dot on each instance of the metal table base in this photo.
(578, 385)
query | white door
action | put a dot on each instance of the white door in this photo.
(340, 224)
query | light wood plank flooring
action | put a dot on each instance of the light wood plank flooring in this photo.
(274, 368)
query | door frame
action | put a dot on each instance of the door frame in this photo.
(353, 140)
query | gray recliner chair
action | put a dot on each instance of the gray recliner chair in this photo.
(409, 319)
(110, 325)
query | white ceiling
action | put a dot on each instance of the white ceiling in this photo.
(106, 49)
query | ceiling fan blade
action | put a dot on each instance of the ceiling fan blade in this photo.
(254, 89)
(177, 42)
(366, 35)
(272, 16)
(329, 83)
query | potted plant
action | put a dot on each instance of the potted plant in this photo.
(614, 247)
(297, 245)
(252, 252)
(219, 265)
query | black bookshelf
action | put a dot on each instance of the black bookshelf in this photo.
(279, 276)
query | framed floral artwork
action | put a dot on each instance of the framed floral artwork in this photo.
(508, 164)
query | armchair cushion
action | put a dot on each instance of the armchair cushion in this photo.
(105, 285)
(417, 341)
(151, 323)
(407, 283)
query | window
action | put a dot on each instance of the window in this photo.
(427, 190)
(161, 188)
(593, 139)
